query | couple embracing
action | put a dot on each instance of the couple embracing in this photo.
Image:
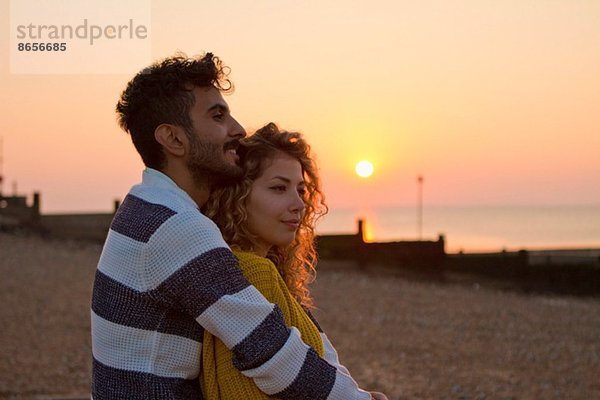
(201, 290)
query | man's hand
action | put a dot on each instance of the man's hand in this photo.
(378, 396)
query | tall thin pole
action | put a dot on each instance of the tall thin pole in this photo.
(1, 162)
(420, 206)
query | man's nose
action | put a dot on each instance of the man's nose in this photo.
(236, 130)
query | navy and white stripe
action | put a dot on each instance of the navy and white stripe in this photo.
(150, 216)
(165, 275)
(331, 355)
(329, 352)
(112, 383)
(122, 305)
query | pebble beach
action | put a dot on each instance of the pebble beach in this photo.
(411, 339)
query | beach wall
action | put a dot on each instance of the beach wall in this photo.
(426, 254)
(17, 213)
(15, 210)
(569, 272)
(422, 254)
(578, 276)
(91, 227)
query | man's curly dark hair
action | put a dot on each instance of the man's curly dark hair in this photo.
(162, 94)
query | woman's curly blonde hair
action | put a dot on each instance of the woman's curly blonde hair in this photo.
(227, 207)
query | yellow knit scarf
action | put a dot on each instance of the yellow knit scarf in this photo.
(220, 380)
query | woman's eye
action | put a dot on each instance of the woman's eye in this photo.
(278, 188)
(302, 191)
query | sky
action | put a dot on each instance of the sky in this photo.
(492, 102)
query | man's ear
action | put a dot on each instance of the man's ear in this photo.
(172, 138)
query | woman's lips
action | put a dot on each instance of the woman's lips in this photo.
(293, 223)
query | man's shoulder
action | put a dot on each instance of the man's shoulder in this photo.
(146, 211)
(172, 198)
(152, 238)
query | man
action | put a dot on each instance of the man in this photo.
(165, 273)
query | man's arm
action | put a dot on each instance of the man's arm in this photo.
(330, 353)
(204, 281)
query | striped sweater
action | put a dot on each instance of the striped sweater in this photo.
(165, 275)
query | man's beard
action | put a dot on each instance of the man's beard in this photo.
(208, 166)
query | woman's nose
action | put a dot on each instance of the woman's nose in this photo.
(298, 203)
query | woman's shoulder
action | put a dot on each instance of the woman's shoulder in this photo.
(252, 261)
(260, 272)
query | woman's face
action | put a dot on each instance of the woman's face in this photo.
(275, 205)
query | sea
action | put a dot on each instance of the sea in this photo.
(475, 229)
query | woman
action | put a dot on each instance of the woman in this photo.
(268, 218)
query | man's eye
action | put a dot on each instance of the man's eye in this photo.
(218, 117)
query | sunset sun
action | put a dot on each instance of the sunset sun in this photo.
(364, 169)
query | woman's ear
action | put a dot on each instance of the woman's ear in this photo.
(172, 138)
